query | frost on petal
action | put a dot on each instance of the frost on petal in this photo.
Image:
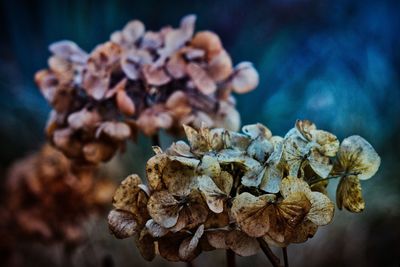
(322, 209)
(357, 156)
(154, 169)
(349, 194)
(241, 243)
(214, 196)
(164, 208)
(122, 223)
(253, 213)
(189, 249)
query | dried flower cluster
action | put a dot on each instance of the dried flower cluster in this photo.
(48, 199)
(139, 80)
(230, 190)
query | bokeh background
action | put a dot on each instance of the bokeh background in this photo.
(336, 63)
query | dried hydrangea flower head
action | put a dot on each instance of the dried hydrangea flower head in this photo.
(49, 199)
(230, 190)
(140, 81)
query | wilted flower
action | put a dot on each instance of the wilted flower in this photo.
(230, 190)
(140, 81)
(49, 199)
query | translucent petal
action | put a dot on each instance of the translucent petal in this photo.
(349, 194)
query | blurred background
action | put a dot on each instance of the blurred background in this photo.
(336, 63)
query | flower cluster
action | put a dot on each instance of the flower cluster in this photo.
(48, 199)
(139, 81)
(232, 190)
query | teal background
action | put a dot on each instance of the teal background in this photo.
(336, 63)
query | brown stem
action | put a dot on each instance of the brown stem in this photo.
(230, 258)
(285, 257)
(155, 140)
(268, 252)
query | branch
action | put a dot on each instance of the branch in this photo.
(268, 252)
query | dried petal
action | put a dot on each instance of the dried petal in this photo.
(201, 79)
(122, 223)
(164, 209)
(214, 196)
(241, 243)
(245, 78)
(119, 131)
(349, 194)
(189, 249)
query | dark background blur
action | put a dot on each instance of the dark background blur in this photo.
(336, 63)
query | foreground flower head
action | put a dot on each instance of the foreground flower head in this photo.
(139, 81)
(48, 198)
(228, 190)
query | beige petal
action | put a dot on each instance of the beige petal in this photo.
(304, 127)
(236, 140)
(188, 250)
(164, 208)
(357, 156)
(180, 148)
(213, 195)
(257, 130)
(292, 185)
(294, 153)
(201, 79)
(241, 243)
(253, 213)
(209, 166)
(197, 141)
(224, 182)
(154, 170)
(329, 144)
(319, 163)
(349, 194)
(245, 78)
(122, 223)
(227, 117)
(125, 197)
(322, 209)
(178, 178)
(304, 231)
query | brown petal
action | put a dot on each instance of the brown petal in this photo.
(207, 41)
(253, 214)
(176, 66)
(201, 79)
(241, 243)
(125, 103)
(189, 249)
(154, 170)
(122, 223)
(145, 244)
(97, 152)
(155, 230)
(164, 209)
(220, 66)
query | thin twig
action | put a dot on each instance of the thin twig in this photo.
(155, 140)
(268, 252)
(230, 258)
(285, 257)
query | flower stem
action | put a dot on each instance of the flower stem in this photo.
(285, 257)
(155, 140)
(268, 252)
(230, 258)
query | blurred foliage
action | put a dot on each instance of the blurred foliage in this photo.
(334, 62)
